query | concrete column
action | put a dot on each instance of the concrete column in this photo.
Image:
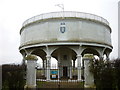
(79, 66)
(107, 56)
(73, 67)
(45, 71)
(70, 72)
(43, 64)
(23, 60)
(48, 67)
(31, 71)
(89, 78)
(58, 69)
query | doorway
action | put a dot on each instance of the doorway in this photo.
(65, 74)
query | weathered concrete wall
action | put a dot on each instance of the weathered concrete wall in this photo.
(76, 30)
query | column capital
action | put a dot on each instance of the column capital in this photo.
(79, 55)
(48, 56)
(31, 57)
(88, 56)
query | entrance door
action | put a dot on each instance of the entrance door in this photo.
(65, 72)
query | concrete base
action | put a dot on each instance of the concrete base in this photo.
(90, 86)
(30, 87)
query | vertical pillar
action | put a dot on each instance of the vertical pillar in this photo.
(45, 71)
(31, 71)
(70, 68)
(58, 69)
(70, 72)
(48, 67)
(23, 61)
(89, 78)
(43, 64)
(73, 67)
(101, 56)
(59, 66)
(107, 56)
(79, 66)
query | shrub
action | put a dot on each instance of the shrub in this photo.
(103, 74)
(117, 73)
(13, 77)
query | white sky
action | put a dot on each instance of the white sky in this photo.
(14, 12)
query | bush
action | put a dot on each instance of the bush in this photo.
(103, 74)
(13, 77)
(117, 73)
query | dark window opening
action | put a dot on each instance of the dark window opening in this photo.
(65, 57)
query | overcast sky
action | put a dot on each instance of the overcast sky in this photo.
(14, 12)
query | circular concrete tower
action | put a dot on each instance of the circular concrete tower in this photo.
(66, 36)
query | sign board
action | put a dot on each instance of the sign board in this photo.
(54, 72)
(53, 76)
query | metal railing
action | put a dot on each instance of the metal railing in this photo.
(61, 82)
(65, 14)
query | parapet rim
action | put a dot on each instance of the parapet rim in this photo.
(63, 14)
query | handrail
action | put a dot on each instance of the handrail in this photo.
(65, 14)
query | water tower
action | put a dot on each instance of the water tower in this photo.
(66, 36)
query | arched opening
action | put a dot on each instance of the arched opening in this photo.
(23, 55)
(39, 52)
(90, 51)
(42, 54)
(54, 63)
(65, 58)
(96, 57)
(41, 65)
(39, 68)
(106, 53)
